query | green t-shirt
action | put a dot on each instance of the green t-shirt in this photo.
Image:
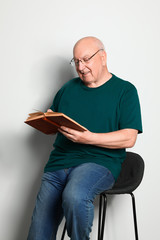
(110, 107)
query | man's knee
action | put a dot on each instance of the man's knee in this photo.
(72, 199)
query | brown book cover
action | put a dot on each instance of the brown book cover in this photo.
(49, 122)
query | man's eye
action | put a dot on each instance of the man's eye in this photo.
(86, 59)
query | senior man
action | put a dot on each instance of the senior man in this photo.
(84, 164)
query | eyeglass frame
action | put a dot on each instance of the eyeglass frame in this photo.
(72, 62)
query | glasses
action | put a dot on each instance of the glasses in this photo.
(85, 60)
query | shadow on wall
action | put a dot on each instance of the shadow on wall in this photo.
(47, 77)
(38, 146)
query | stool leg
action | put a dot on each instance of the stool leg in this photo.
(102, 216)
(64, 231)
(134, 216)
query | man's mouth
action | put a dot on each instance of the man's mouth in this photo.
(85, 73)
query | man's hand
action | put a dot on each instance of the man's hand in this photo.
(76, 136)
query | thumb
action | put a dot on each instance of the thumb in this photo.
(49, 110)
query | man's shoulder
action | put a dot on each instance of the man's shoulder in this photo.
(122, 83)
(71, 82)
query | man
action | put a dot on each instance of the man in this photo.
(84, 164)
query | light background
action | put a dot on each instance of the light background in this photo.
(36, 40)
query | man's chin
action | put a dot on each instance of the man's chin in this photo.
(87, 77)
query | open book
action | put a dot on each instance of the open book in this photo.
(49, 122)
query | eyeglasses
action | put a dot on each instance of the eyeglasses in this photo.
(85, 60)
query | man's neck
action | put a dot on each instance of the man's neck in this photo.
(97, 83)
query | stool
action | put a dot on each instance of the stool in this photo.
(129, 179)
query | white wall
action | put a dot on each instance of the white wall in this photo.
(36, 40)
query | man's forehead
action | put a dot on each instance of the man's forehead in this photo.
(84, 48)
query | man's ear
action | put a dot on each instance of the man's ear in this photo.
(104, 58)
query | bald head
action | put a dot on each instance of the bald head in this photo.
(90, 61)
(89, 41)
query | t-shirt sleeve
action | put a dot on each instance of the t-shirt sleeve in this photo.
(130, 112)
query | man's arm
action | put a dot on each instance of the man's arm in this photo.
(124, 138)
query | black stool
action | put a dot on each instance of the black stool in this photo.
(129, 179)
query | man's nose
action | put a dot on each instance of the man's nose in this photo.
(81, 65)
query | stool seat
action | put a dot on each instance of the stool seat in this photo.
(129, 179)
(130, 176)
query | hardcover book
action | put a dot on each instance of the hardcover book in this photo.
(49, 122)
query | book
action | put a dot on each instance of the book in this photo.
(49, 122)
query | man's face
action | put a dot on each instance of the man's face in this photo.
(91, 71)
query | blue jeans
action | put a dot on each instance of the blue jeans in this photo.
(70, 193)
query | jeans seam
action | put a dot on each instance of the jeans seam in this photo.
(87, 199)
